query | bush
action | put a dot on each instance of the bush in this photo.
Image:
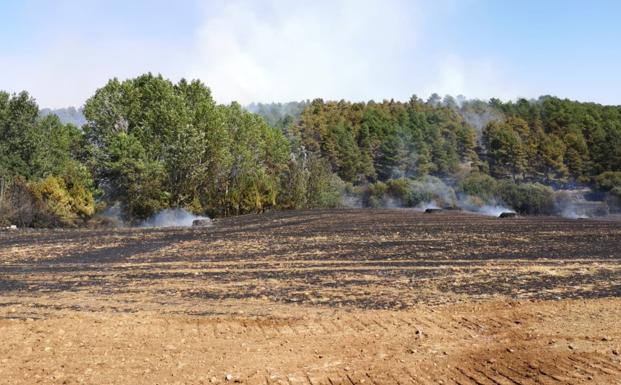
(610, 181)
(17, 204)
(479, 185)
(405, 192)
(401, 190)
(45, 203)
(323, 187)
(535, 198)
(53, 203)
(430, 188)
(375, 194)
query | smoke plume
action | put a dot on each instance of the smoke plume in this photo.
(573, 204)
(172, 218)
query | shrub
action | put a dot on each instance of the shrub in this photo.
(45, 203)
(479, 185)
(17, 206)
(54, 204)
(610, 181)
(400, 190)
(528, 198)
(375, 194)
(430, 188)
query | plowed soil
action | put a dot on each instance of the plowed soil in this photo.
(316, 297)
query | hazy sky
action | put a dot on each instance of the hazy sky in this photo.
(275, 50)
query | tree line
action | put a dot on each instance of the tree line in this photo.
(149, 144)
(548, 140)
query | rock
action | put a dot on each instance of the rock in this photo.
(432, 210)
(228, 377)
(615, 352)
(507, 214)
(606, 339)
(203, 222)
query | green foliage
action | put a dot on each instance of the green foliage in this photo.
(505, 150)
(432, 189)
(527, 198)
(549, 140)
(324, 187)
(43, 181)
(369, 142)
(404, 192)
(47, 202)
(159, 145)
(610, 181)
(479, 185)
(53, 202)
(375, 194)
(21, 140)
(401, 190)
(150, 144)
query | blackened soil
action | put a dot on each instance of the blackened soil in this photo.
(359, 258)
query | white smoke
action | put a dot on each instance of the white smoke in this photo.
(113, 214)
(477, 206)
(351, 201)
(172, 218)
(572, 204)
(493, 211)
(435, 190)
(571, 212)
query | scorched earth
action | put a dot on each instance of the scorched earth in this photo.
(316, 297)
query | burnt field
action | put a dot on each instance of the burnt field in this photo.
(369, 259)
(347, 296)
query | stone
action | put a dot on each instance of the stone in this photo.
(433, 210)
(203, 222)
(507, 214)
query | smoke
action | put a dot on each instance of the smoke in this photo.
(573, 204)
(393, 203)
(476, 113)
(432, 189)
(434, 193)
(476, 205)
(351, 201)
(480, 119)
(489, 210)
(172, 218)
(571, 212)
(113, 215)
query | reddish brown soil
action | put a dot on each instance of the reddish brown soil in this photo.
(345, 297)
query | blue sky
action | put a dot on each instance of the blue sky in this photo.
(274, 50)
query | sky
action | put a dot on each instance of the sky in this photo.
(274, 50)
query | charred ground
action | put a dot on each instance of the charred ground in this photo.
(346, 296)
(342, 258)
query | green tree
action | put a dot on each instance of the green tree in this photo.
(505, 150)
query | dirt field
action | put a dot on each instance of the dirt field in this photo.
(319, 297)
